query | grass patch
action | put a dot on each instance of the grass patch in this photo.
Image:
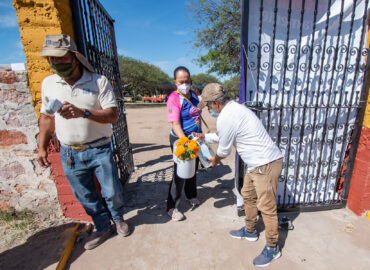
(144, 105)
(17, 220)
(17, 225)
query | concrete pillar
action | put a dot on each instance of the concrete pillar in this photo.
(37, 18)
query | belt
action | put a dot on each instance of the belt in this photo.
(93, 144)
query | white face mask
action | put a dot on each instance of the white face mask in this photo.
(184, 88)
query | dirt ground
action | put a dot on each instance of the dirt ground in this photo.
(335, 239)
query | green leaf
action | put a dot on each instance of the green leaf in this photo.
(218, 32)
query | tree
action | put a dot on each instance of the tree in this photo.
(219, 33)
(232, 86)
(139, 77)
(203, 79)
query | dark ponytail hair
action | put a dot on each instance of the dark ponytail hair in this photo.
(180, 68)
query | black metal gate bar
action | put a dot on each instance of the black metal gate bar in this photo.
(318, 161)
(272, 65)
(259, 51)
(342, 94)
(284, 74)
(314, 107)
(334, 139)
(95, 37)
(306, 99)
(293, 106)
(323, 141)
(285, 166)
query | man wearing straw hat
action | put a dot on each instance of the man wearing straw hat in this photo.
(81, 106)
(239, 126)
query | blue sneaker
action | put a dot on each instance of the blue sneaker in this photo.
(268, 254)
(244, 234)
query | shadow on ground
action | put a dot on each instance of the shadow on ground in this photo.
(143, 147)
(41, 249)
(222, 191)
(148, 194)
(155, 161)
(286, 224)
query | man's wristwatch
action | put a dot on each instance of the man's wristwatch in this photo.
(87, 113)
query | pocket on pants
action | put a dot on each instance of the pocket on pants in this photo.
(262, 170)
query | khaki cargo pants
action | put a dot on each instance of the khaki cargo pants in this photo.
(259, 193)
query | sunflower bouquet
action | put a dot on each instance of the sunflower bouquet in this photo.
(186, 149)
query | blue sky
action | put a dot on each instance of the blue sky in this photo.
(10, 46)
(157, 32)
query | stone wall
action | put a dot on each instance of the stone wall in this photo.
(36, 19)
(23, 183)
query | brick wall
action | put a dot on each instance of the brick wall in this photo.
(70, 206)
(23, 183)
(359, 192)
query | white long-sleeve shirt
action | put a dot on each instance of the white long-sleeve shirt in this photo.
(239, 126)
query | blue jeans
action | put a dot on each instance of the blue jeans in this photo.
(79, 168)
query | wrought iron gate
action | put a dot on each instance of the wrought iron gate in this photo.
(303, 71)
(95, 38)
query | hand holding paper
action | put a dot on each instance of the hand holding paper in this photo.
(53, 106)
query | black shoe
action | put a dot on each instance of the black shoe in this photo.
(122, 228)
(97, 238)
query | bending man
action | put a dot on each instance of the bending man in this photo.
(239, 126)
